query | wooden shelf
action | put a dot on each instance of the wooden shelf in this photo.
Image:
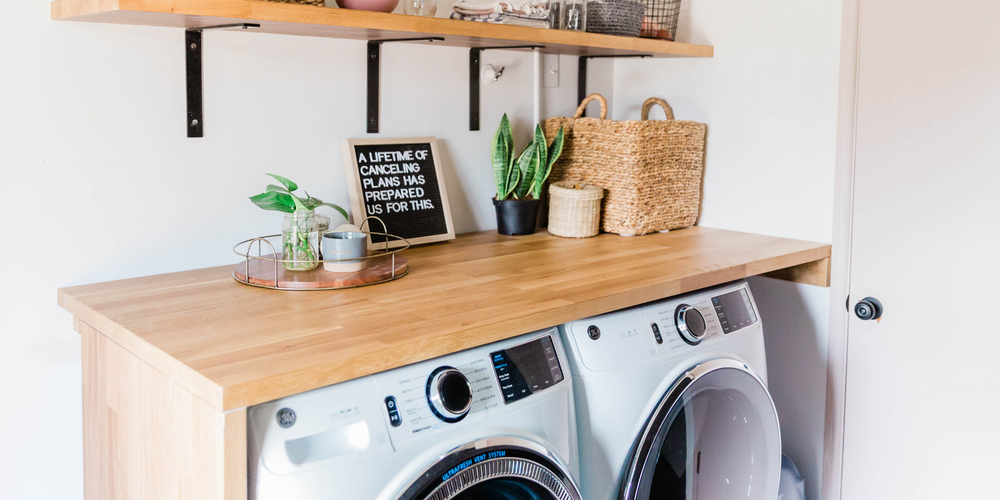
(234, 346)
(304, 20)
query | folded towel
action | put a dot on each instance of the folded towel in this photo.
(526, 7)
(494, 18)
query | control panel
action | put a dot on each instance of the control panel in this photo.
(661, 330)
(735, 310)
(525, 369)
(467, 387)
(370, 417)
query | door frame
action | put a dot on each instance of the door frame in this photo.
(843, 212)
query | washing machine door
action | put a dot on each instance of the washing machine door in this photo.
(498, 468)
(714, 435)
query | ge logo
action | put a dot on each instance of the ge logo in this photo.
(286, 418)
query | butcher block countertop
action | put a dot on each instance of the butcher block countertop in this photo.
(234, 345)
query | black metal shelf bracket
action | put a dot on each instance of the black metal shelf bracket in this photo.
(374, 68)
(474, 60)
(195, 87)
(581, 82)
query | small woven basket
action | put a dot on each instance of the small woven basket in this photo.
(574, 209)
(615, 17)
(651, 169)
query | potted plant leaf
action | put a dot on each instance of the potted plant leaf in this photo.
(520, 179)
(300, 231)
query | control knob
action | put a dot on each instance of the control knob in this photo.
(449, 394)
(690, 324)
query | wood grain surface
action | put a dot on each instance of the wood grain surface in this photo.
(236, 345)
(379, 269)
(306, 20)
(147, 438)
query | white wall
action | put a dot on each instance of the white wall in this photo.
(101, 182)
(769, 98)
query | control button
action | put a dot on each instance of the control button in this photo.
(656, 333)
(690, 324)
(449, 394)
(393, 410)
(594, 332)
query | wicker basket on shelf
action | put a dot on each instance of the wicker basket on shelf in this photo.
(651, 169)
(615, 17)
(574, 209)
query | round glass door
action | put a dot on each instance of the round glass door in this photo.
(714, 435)
(499, 468)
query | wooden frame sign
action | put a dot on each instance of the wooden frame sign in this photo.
(399, 181)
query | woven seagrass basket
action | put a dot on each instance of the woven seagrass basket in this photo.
(651, 170)
(574, 209)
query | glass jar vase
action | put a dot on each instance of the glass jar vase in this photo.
(300, 241)
(573, 15)
(426, 8)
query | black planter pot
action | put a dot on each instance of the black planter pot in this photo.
(516, 216)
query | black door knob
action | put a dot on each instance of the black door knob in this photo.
(868, 308)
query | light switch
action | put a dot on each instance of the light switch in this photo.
(550, 65)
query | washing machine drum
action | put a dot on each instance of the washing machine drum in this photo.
(498, 468)
(714, 435)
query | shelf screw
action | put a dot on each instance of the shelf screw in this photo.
(194, 123)
(194, 46)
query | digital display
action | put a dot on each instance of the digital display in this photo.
(734, 310)
(526, 369)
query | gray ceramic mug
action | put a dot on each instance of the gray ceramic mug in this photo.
(348, 247)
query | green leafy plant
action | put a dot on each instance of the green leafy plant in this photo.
(281, 198)
(300, 238)
(523, 177)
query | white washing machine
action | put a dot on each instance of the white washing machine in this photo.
(494, 422)
(672, 400)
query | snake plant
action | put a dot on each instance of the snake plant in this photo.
(522, 177)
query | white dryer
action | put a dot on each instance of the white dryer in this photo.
(672, 401)
(494, 422)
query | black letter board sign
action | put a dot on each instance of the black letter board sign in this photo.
(400, 182)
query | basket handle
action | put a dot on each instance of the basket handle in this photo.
(646, 106)
(591, 97)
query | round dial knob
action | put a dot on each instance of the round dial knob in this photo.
(690, 323)
(449, 394)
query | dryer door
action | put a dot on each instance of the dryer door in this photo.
(714, 435)
(498, 468)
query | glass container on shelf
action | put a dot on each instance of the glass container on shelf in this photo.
(300, 241)
(323, 223)
(426, 8)
(555, 11)
(574, 15)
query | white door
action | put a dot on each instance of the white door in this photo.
(922, 407)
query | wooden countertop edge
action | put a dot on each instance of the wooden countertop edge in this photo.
(255, 392)
(187, 377)
(230, 397)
